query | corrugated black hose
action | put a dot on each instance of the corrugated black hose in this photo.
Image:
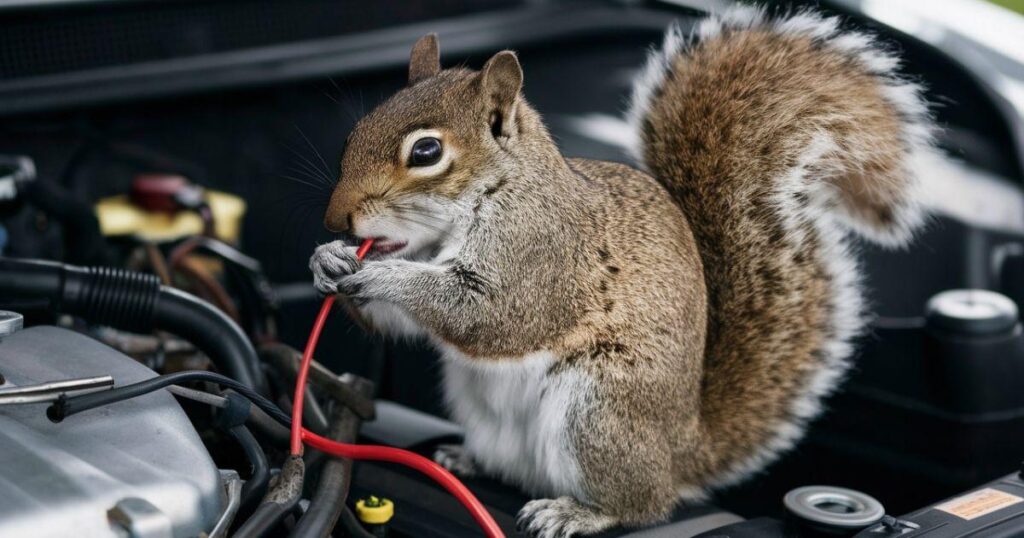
(134, 302)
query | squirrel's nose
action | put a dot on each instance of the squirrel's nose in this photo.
(338, 222)
(342, 209)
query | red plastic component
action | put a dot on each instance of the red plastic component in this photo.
(155, 192)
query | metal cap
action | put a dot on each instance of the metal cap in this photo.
(10, 323)
(833, 506)
(972, 312)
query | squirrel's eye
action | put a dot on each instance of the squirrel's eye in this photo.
(425, 152)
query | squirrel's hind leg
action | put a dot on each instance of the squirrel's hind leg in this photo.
(628, 474)
(561, 518)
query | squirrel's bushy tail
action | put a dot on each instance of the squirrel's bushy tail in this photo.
(778, 137)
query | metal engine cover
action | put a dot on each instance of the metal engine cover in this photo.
(135, 468)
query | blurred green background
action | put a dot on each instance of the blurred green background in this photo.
(1016, 5)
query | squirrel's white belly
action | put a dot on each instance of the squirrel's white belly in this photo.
(518, 418)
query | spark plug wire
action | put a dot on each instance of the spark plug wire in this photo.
(374, 452)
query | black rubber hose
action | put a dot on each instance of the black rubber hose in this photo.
(212, 331)
(277, 356)
(272, 420)
(328, 501)
(282, 498)
(256, 485)
(66, 406)
(269, 428)
(329, 498)
(83, 242)
(286, 358)
(134, 302)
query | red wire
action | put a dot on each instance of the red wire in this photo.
(364, 248)
(410, 459)
(372, 452)
(300, 380)
(307, 357)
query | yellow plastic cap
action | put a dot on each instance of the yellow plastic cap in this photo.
(374, 510)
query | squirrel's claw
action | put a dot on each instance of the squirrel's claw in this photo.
(561, 518)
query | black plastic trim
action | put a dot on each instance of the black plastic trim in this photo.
(370, 51)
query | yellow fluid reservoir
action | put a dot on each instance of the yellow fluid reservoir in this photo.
(119, 216)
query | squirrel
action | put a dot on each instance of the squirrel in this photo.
(618, 341)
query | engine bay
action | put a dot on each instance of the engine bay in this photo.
(160, 199)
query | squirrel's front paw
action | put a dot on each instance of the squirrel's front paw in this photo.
(330, 263)
(455, 459)
(561, 518)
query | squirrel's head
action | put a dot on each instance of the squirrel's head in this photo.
(407, 162)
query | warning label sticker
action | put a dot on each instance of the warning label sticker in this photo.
(979, 503)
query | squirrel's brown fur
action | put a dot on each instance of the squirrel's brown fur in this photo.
(614, 340)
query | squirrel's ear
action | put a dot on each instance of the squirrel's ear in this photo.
(425, 60)
(500, 81)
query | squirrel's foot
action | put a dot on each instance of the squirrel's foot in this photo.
(455, 459)
(330, 263)
(561, 518)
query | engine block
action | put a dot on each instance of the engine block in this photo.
(135, 468)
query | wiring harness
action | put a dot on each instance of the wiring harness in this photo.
(284, 495)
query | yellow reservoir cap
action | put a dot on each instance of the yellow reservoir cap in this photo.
(374, 510)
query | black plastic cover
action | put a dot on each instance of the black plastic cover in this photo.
(995, 510)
